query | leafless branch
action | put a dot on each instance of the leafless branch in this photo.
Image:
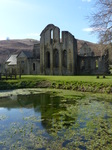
(101, 20)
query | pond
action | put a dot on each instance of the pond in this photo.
(49, 122)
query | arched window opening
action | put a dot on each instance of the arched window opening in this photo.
(51, 36)
(48, 60)
(82, 64)
(64, 60)
(56, 58)
(96, 64)
(33, 66)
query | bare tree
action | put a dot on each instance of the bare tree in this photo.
(101, 20)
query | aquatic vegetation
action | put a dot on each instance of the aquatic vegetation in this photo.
(2, 117)
(53, 120)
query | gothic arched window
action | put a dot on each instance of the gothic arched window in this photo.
(64, 58)
(56, 58)
(51, 36)
(48, 59)
(33, 66)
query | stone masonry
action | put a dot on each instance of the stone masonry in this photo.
(57, 56)
(60, 56)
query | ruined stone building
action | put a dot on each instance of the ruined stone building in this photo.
(28, 62)
(57, 56)
(60, 56)
(90, 64)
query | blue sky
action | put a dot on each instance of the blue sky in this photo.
(21, 19)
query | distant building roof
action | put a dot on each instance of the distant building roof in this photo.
(12, 60)
(28, 54)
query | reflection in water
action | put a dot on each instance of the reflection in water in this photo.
(42, 104)
(42, 121)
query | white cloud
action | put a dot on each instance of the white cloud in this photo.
(93, 29)
(87, 29)
(86, 0)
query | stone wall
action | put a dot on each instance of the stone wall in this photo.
(93, 65)
(22, 65)
(57, 56)
(90, 64)
(36, 51)
(28, 65)
(2, 68)
(34, 66)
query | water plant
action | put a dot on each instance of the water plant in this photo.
(57, 120)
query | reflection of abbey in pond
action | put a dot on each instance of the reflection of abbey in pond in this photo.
(59, 56)
(48, 106)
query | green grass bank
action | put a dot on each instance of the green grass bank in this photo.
(77, 83)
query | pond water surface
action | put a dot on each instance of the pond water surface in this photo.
(47, 122)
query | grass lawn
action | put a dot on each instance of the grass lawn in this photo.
(107, 79)
(78, 83)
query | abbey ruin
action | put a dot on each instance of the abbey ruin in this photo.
(58, 56)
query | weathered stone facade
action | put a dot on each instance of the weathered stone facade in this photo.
(29, 62)
(90, 64)
(57, 57)
(60, 56)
